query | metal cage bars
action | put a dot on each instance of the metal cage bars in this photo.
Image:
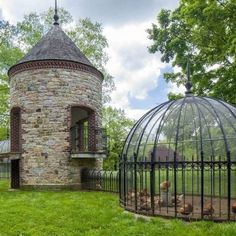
(209, 119)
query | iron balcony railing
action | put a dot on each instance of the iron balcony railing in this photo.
(88, 139)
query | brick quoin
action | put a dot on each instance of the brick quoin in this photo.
(15, 129)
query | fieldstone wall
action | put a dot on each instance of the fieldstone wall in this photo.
(45, 97)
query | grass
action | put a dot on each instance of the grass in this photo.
(25, 213)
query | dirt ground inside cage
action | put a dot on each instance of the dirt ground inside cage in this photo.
(219, 205)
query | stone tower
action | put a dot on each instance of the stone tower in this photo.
(55, 101)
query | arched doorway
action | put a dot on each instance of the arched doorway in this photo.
(82, 129)
(15, 173)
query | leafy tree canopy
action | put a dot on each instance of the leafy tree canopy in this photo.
(174, 96)
(117, 126)
(204, 32)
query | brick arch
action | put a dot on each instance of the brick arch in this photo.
(15, 124)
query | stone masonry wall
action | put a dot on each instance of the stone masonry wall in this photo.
(45, 97)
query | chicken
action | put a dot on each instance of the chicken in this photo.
(98, 186)
(234, 208)
(164, 185)
(208, 210)
(186, 209)
(158, 201)
(130, 195)
(179, 199)
(144, 193)
(145, 207)
(145, 203)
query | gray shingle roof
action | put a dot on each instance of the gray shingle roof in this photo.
(55, 45)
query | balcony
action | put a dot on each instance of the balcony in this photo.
(88, 142)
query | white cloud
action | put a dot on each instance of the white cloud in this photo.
(136, 71)
(177, 69)
(118, 12)
(15, 10)
(1, 17)
(172, 87)
(135, 114)
(110, 12)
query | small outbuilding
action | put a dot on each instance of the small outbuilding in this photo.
(55, 113)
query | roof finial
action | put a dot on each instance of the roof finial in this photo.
(56, 17)
(188, 84)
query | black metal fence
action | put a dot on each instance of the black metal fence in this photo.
(185, 189)
(101, 180)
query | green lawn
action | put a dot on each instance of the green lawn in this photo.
(87, 213)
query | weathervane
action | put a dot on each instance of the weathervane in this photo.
(188, 84)
(56, 17)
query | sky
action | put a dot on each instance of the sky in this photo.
(138, 75)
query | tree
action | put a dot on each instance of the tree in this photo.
(9, 54)
(174, 96)
(203, 32)
(92, 42)
(117, 126)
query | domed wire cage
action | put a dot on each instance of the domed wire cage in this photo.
(179, 160)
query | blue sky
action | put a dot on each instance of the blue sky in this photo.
(155, 96)
(138, 75)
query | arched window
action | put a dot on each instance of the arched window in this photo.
(15, 129)
(83, 129)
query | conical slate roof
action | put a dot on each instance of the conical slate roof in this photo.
(55, 45)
